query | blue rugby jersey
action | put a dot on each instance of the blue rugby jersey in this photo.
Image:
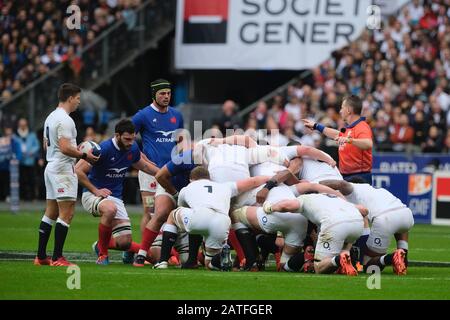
(110, 170)
(156, 130)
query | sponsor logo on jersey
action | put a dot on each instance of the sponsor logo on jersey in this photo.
(154, 120)
(118, 173)
(166, 135)
(173, 120)
(130, 156)
(60, 190)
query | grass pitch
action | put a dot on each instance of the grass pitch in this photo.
(20, 279)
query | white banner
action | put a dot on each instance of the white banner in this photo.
(266, 34)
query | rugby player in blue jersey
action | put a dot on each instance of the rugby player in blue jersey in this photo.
(157, 123)
(103, 186)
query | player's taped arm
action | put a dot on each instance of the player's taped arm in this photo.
(305, 187)
(342, 186)
(146, 166)
(163, 177)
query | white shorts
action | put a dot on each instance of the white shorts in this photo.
(147, 182)
(386, 225)
(212, 225)
(332, 237)
(293, 226)
(160, 191)
(91, 204)
(61, 186)
(247, 198)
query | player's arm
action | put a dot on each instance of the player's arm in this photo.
(316, 154)
(163, 177)
(363, 210)
(69, 150)
(143, 156)
(82, 169)
(239, 140)
(342, 186)
(282, 176)
(146, 166)
(306, 187)
(282, 206)
(251, 183)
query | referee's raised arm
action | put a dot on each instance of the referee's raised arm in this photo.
(355, 140)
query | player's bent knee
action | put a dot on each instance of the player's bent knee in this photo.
(123, 242)
(122, 230)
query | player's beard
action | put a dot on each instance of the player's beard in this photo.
(122, 146)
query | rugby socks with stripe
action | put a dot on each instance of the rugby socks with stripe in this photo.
(104, 237)
(195, 241)
(61, 230)
(168, 240)
(45, 228)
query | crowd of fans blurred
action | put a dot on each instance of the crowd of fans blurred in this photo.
(401, 72)
(34, 38)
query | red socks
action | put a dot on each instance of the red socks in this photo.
(104, 237)
(147, 239)
(236, 245)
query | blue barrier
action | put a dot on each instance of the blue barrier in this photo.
(410, 179)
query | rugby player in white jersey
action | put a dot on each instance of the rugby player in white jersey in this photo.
(292, 226)
(61, 182)
(203, 209)
(340, 223)
(388, 216)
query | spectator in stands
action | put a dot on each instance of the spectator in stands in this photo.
(260, 114)
(229, 118)
(30, 149)
(9, 148)
(433, 142)
(447, 142)
(403, 134)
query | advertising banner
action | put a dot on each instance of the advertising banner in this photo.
(266, 34)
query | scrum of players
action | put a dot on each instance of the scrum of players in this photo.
(260, 199)
(287, 200)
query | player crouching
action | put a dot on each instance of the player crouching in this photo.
(203, 209)
(340, 225)
(103, 185)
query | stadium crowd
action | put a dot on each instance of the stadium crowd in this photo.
(400, 71)
(34, 41)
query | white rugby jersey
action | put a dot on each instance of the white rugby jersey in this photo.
(57, 125)
(377, 201)
(208, 194)
(323, 208)
(226, 162)
(269, 160)
(313, 170)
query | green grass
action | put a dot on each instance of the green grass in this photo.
(22, 280)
